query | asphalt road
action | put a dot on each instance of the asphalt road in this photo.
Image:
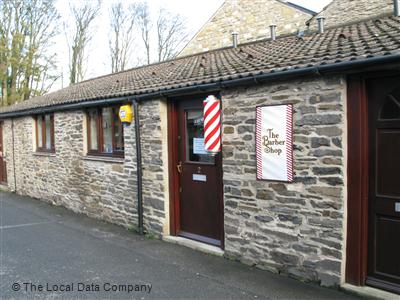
(48, 252)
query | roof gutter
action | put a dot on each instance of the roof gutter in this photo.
(340, 67)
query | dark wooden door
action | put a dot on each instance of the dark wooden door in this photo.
(3, 169)
(200, 178)
(384, 183)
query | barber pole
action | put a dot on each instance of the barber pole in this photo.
(212, 125)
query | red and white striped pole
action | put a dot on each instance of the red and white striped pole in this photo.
(212, 125)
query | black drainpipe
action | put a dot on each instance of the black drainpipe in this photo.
(13, 149)
(138, 166)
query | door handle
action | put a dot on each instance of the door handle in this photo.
(179, 167)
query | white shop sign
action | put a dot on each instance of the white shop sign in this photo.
(274, 142)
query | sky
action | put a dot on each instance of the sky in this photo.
(195, 12)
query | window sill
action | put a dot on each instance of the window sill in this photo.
(118, 160)
(38, 153)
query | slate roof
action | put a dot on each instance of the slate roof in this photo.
(353, 42)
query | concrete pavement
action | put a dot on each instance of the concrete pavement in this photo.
(49, 252)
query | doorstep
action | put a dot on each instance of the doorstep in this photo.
(369, 292)
(209, 249)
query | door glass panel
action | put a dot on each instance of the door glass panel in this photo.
(195, 151)
(391, 109)
(107, 130)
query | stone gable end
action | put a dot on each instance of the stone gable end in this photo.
(250, 18)
(340, 12)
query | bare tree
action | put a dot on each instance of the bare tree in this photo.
(83, 18)
(171, 33)
(27, 29)
(143, 21)
(122, 36)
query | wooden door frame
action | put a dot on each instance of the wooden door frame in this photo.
(358, 176)
(357, 181)
(173, 158)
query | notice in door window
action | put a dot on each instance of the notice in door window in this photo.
(195, 151)
(198, 146)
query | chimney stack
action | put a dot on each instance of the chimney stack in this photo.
(272, 29)
(396, 8)
(321, 24)
(235, 39)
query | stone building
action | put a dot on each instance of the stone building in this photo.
(350, 11)
(335, 223)
(250, 19)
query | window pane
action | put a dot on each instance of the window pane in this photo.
(48, 131)
(391, 109)
(93, 117)
(118, 132)
(107, 130)
(195, 137)
(39, 132)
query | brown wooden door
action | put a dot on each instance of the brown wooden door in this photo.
(384, 183)
(3, 169)
(200, 178)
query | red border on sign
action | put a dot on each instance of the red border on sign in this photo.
(289, 143)
(258, 142)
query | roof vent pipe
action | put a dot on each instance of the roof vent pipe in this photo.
(272, 29)
(396, 8)
(234, 39)
(321, 24)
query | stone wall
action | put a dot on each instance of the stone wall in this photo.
(348, 11)
(8, 155)
(155, 167)
(102, 188)
(293, 228)
(250, 18)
